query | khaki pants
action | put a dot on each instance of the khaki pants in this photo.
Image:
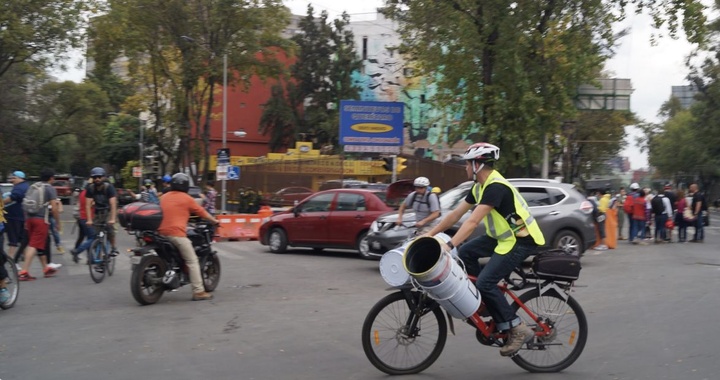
(187, 252)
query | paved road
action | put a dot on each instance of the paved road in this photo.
(651, 312)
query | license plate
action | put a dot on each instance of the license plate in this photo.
(135, 259)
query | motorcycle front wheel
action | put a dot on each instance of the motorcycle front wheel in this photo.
(401, 341)
(146, 282)
(211, 272)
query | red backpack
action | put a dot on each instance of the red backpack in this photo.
(628, 205)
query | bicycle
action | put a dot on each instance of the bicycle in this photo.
(11, 282)
(98, 255)
(405, 332)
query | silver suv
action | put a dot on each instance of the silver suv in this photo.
(562, 212)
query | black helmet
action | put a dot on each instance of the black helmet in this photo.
(97, 171)
(180, 182)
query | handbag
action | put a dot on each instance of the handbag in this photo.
(688, 215)
(669, 224)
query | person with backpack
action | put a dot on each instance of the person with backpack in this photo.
(628, 206)
(35, 205)
(661, 209)
(101, 202)
(424, 202)
(149, 194)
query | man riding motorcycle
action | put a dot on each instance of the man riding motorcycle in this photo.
(177, 206)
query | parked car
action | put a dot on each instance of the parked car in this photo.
(125, 196)
(338, 218)
(287, 196)
(63, 188)
(562, 212)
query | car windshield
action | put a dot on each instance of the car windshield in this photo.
(450, 199)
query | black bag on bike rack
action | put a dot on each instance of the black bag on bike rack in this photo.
(557, 265)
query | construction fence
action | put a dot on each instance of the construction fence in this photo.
(264, 177)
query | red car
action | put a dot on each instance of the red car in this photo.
(287, 196)
(338, 218)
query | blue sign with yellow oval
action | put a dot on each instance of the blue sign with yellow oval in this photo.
(371, 123)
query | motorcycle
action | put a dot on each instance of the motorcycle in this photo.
(158, 267)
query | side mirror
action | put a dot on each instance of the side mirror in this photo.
(296, 211)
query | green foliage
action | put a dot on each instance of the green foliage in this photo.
(175, 53)
(39, 33)
(320, 78)
(58, 125)
(673, 147)
(513, 68)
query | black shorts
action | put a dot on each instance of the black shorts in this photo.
(15, 231)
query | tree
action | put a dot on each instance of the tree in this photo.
(320, 78)
(175, 51)
(58, 126)
(39, 33)
(590, 140)
(512, 69)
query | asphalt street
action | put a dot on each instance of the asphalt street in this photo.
(298, 316)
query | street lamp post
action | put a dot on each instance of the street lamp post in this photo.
(224, 130)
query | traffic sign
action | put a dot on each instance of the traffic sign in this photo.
(233, 173)
(223, 156)
(137, 171)
(221, 172)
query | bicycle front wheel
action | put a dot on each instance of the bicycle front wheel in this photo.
(11, 283)
(567, 340)
(109, 261)
(96, 260)
(398, 341)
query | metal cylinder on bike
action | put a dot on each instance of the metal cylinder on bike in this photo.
(441, 276)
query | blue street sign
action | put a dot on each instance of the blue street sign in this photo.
(233, 173)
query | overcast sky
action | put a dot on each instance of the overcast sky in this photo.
(652, 69)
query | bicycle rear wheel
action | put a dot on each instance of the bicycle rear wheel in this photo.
(399, 342)
(96, 260)
(564, 345)
(11, 283)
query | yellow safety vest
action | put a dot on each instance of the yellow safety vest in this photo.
(498, 228)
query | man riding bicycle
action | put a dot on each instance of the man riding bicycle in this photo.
(102, 197)
(512, 234)
(425, 204)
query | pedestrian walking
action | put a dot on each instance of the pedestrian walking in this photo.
(680, 222)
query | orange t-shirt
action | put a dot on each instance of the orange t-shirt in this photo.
(177, 207)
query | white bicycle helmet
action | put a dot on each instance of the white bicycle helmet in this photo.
(479, 154)
(421, 182)
(483, 152)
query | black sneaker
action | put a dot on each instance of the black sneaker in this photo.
(114, 252)
(75, 254)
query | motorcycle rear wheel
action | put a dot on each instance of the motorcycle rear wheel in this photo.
(146, 282)
(211, 272)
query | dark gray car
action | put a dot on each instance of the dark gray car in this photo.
(562, 212)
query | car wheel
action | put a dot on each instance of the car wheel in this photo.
(277, 241)
(569, 242)
(363, 246)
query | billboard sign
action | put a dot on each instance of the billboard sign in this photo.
(371, 123)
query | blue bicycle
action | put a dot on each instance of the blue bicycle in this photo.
(99, 259)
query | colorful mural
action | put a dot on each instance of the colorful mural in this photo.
(387, 77)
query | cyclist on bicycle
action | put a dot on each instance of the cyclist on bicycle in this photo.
(177, 205)
(512, 234)
(102, 195)
(425, 204)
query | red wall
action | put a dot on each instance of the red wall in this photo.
(244, 111)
